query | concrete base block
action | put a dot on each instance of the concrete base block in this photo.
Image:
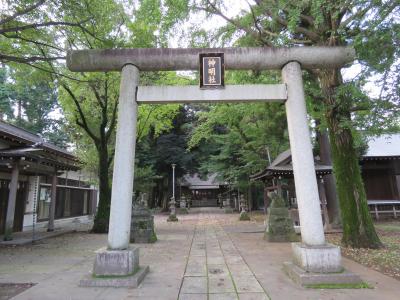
(304, 278)
(131, 281)
(229, 210)
(318, 259)
(116, 262)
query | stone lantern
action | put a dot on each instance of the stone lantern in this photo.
(243, 206)
(142, 223)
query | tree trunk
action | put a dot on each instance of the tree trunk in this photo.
(358, 228)
(167, 191)
(103, 211)
(164, 205)
(329, 180)
(152, 197)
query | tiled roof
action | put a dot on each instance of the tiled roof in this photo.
(386, 145)
(282, 165)
(28, 139)
(195, 181)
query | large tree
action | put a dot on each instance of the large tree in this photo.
(93, 98)
(363, 23)
(28, 99)
(33, 31)
(6, 94)
(38, 34)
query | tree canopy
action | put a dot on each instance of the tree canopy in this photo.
(233, 140)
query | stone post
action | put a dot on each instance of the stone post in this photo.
(52, 210)
(173, 180)
(312, 231)
(122, 184)
(324, 203)
(312, 255)
(119, 260)
(12, 198)
(243, 209)
(235, 200)
(172, 216)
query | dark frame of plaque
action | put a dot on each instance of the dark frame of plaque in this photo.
(218, 85)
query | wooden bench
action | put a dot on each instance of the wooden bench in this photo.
(374, 206)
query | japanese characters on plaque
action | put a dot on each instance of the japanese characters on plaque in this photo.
(211, 70)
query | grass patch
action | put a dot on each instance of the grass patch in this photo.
(153, 238)
(388, 227)
(362, 285)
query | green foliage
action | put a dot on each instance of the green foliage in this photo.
(153, 238)
(240, 136)
(244, 134)
(156, 118)
(29, 101)
(358, 230)
(277, 201)
(144, 178)
(172, 218)
(6, 94)
(370, 26)
(37, 32)
(244, 216)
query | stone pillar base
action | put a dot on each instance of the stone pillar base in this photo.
(124, 281)
(116, 262)
(304, 278)
(316, 265)
(318, 259)
(116, 268)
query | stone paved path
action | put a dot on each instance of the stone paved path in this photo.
(206, 255)
(215, 269)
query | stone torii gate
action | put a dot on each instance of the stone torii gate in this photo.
(313, 254)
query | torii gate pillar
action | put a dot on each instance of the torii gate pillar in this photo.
(313, 254)
(119, 261)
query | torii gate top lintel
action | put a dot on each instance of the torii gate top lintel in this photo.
(174, 59)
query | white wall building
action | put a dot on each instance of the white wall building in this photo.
(31, 171)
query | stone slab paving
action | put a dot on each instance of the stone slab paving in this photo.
(206, 255)
(226, 275)
(265, 260)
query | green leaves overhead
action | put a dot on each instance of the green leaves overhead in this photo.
(35, 32)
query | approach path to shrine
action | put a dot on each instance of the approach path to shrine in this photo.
(206, 255)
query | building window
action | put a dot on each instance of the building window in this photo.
(44, 203)
(70, 202)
